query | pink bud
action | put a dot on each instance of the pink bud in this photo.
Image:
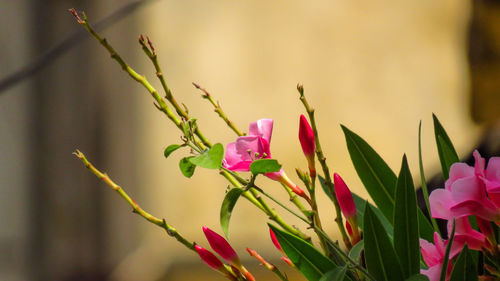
(209, 258)
(275, 240)
(344, 197)
(221, 246)
(306, 137)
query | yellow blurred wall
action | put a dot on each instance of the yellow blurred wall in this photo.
(377, 67)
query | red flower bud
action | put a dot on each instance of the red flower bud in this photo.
(306, 137)
(209, 258)
(221, 246)
(275, 240)
(344, 197)
(348, 228)
(308, 143)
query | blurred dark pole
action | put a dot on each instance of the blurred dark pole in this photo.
(65, 230)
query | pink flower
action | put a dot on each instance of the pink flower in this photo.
(433, 255)
(464, 233)
(491, 180)
(240, 154)
(221, 246)
(246, 149)
(464, 194)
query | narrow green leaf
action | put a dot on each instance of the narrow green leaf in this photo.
(406, 233)
(211, 158)
(227, 208)
(308, 260)
(355, 252)
(464, 268)
(336, 274)
(378, 179)
(425, 190)
(446, 257)
(263, 166)
(381, 259)
(446, 151)
(424, 226)
(418, 277)
(360, 207)
(187, 168)
(171, 148)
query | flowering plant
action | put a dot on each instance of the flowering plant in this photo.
(391, 239)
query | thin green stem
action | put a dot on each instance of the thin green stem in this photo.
(135, 207)
(425, 191)
(218, 110)
(324, 166)
(344, 255)
(280, 204)
(150, 52)
(253, 196)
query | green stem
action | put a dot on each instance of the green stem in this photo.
(218, 110)
(280, 204)
(344, 255)
(136, 208)
(324, 166)
(425, 191)
(150, 52)
(253, 196)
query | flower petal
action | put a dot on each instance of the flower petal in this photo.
(262, 128)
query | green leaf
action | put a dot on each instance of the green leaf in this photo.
(308, 260)
(464, 269)
(360, 207)
(336, 274)
(171, 148)
(446, 151)
(263, 166)
(418, 277)
(406, 233)
(425, 190)
(355, 252)
(446, 257)
(211, 158)
(227, 208)
(187, 168)
(381, 259)
(378, 179)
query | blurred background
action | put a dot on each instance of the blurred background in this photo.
(378, 67)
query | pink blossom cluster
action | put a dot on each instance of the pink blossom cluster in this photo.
(469, 192)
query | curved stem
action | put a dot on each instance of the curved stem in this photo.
(136, 208)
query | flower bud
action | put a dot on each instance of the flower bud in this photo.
(209, 258)
(344, 197)
(275, 240)
(221, 246)
(308, 143)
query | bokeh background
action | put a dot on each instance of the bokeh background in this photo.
(378, 67)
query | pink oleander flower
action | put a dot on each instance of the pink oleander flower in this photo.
(241, 153)
(221, 246)
(464, 194)
(433, 255)
(491, 180)
(308, 143)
